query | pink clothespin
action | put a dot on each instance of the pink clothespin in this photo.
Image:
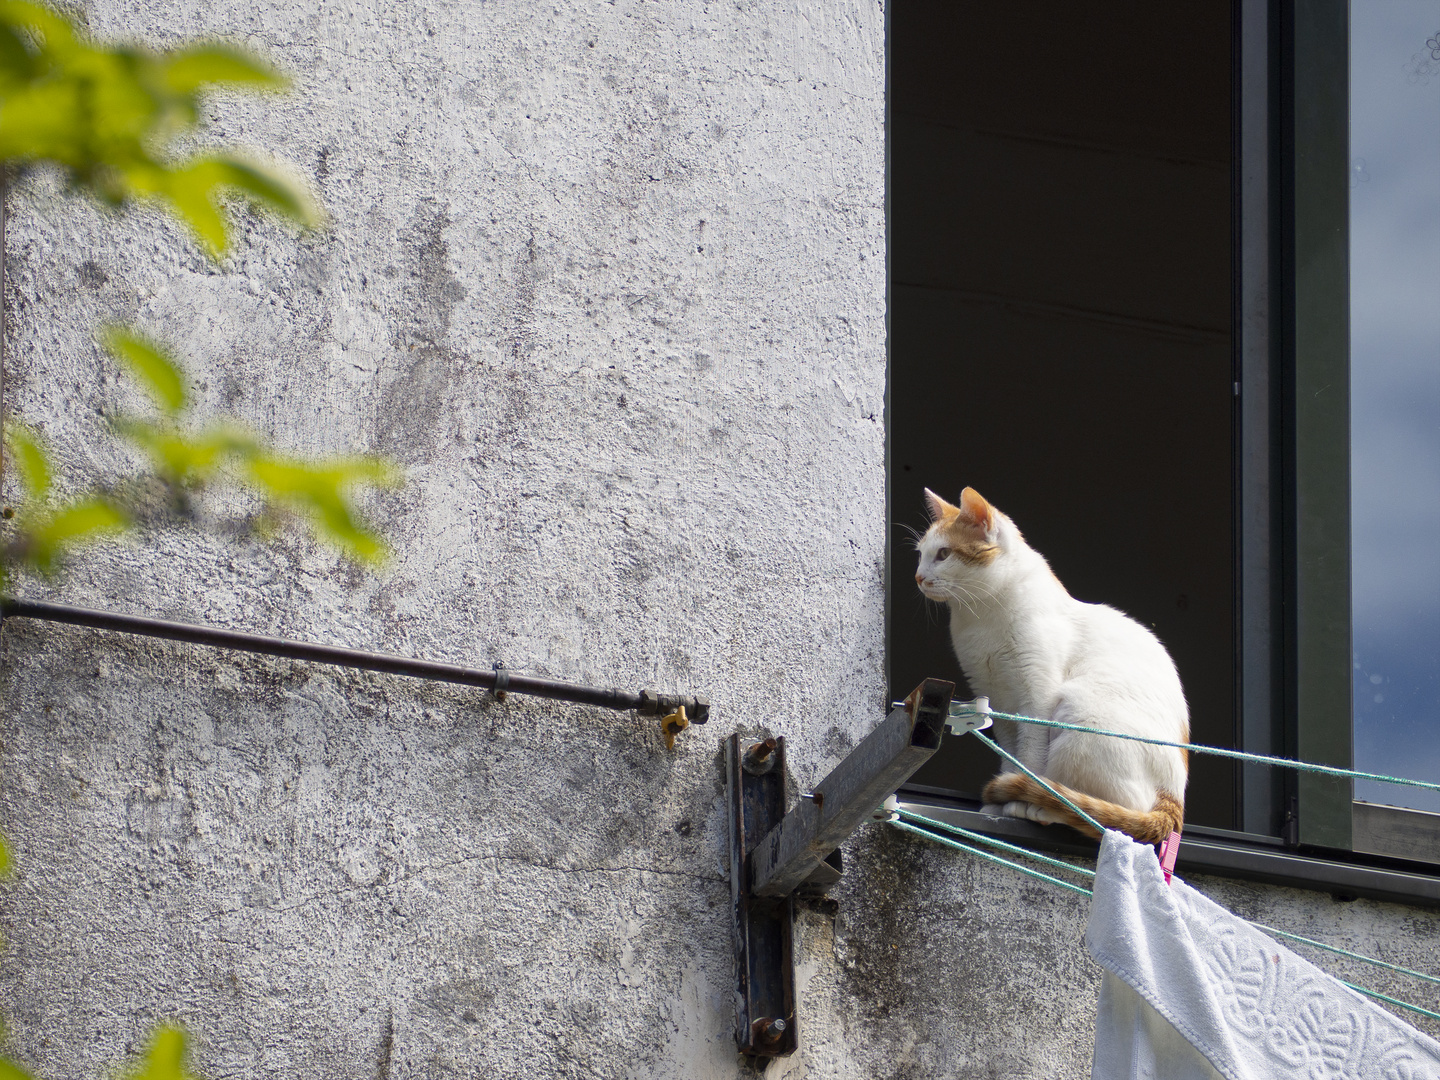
(1169, 849)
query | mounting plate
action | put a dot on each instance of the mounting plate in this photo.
(765, 969)
(774, 854)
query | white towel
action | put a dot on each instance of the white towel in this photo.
(1190, 990)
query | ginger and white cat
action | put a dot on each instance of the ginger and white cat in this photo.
(1034, 650)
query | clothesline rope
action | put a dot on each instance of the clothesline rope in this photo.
(1304, 766)
(956, 830)
(932, 823)
(1238, 755)
(1345, 952)
(1039, 780)
(1390, 1000)
(901, 823)
(990, 857)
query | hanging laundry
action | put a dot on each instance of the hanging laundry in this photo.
(1192, 991)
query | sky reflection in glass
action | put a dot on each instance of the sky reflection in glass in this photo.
(1395, 392)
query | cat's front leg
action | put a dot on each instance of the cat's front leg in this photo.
(1033, 747)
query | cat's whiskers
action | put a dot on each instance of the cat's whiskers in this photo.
(915, 534)
(958, 595)
(932, 609)
(971, 596)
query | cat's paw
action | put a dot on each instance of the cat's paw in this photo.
(1020, 810)
(1043, 814)
(993, 810)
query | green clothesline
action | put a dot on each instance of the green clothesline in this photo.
(1238, 755)
(929, 832)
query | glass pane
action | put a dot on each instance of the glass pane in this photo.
(1395, 392)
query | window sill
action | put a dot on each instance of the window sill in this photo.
(1217, 853)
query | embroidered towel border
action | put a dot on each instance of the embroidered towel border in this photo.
(1252, 1009)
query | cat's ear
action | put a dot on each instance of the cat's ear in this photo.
(975, 511)
(939, 508)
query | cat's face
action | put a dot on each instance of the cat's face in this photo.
(959, 550)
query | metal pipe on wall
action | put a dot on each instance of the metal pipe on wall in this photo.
(645, 702)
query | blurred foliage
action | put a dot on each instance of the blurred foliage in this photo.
(165, 1060)
(186, 461)
(109, 116)
(43, 527)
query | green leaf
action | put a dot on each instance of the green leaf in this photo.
(189, 69)
(166, 1059)
(192, 194)
(16, 63)
(318, 491)
(184, 459)
(109, 116)
(39, 121)
(56, 30)
(156, 372)
(270, 187)
(30, 458)
(75, 523)
(10, 1071)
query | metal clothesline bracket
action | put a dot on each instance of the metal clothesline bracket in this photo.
(967, 716)
(774, 855)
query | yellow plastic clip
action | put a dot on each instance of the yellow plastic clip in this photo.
(672, 725)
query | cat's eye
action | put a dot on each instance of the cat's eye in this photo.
(942, 554)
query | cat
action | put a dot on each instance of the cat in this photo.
(1034, 650)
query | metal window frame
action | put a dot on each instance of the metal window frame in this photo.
(1259, 555)
(1315, 359)
(1292, 486)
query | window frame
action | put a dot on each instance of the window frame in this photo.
(1317, 148)
(1291, 428)
(1314, 201)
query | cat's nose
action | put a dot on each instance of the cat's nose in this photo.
(919, 579)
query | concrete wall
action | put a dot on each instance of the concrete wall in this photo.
(608, 281)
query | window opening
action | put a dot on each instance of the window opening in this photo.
(1060, 325)
(1000, 357)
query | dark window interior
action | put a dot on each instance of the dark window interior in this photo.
(1061, 324)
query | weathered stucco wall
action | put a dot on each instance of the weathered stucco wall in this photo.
(608, 281)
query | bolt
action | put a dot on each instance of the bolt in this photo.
(768, 1029)
(817, 797)
(758, 757)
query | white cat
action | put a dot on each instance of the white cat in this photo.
(1034, 650)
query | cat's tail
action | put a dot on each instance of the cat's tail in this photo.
(1149, 827)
